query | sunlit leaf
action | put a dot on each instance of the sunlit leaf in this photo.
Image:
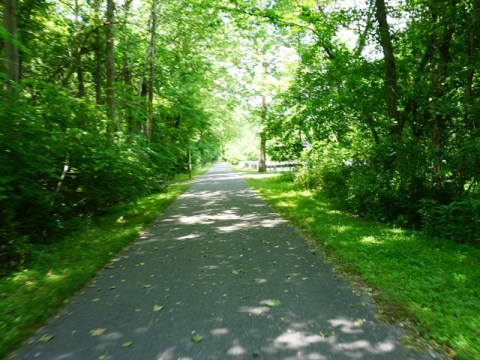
(197, 338)
(326, 334)
(45, 338)
(359, 322)
(97, 332)
(271, 302)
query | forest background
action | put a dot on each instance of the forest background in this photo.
(104, 102)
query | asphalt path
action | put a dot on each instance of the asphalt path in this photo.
(218, 276)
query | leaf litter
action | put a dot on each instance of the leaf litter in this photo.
(97, 332)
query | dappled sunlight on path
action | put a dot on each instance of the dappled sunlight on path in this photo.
(218, 276)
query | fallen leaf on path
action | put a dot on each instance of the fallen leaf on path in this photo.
(197, 338)
(359, 322)
(45, 338)
(271, 302)
(157, 308)
(127, 344)
(97, 332)
(325, 334)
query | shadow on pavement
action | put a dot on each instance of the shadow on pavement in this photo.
(218, 276)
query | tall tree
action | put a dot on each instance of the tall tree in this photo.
(77, 52)
(262, 163)
(391, 86)
(98, 52)
(151, 66)
(12, 61)
(110, 66)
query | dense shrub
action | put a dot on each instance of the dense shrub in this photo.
(366, 185)
(323, 167)
(59, 169)
(458, 220)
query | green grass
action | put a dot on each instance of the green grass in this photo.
(29, 297)
(434, 283)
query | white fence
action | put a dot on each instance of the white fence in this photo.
(272, 166)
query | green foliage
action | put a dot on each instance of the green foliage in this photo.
(62, 163)
(430, 282)
(458, 220)
(373, 161)
(366, 184)
(325, 168)
(56, 174)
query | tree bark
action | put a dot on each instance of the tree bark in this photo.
(12, 58)
(77, 60)
(110, 67)
(473, 44)
(98, 55)
(391, 86)
(151, 75)
(126, 72)
(262, 163)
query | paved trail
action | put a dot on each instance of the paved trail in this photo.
(218, 276)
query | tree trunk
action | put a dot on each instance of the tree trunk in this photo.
(439, 89)
(12, 58)
(473, 44)
(262, 163)
(110, 67)
(126, 72)
(151, 80)
(98, 56)
(77, 60)
(391, 86)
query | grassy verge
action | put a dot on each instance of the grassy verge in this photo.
(29, 297)
(433, 283)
